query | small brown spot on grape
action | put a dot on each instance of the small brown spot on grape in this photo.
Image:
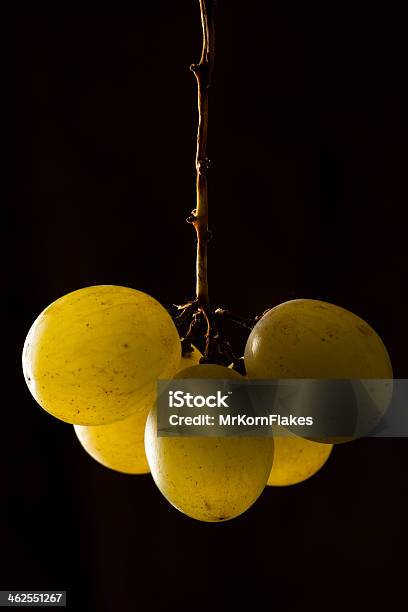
(125, 345)
(323, 339)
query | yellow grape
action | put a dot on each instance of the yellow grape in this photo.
(313, 339)
(120, 445)
(296, 459)
(190, 359)
(94, 355)
(209, 479)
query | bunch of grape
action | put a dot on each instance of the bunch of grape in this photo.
(93, 357)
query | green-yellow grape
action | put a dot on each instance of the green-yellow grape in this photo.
(190, 359)
(296, 459)
(209, 479)
(316, 340)
(120, 445)
(93, 356)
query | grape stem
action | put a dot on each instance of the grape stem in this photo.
(199, 216)
(191, 318)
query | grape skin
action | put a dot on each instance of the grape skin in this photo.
(118, 446)
(93, 356)
(296, 459)
(208, 479)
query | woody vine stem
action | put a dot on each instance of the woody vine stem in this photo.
(192, 318)
(199, 218)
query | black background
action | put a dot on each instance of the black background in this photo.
(308, 138)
